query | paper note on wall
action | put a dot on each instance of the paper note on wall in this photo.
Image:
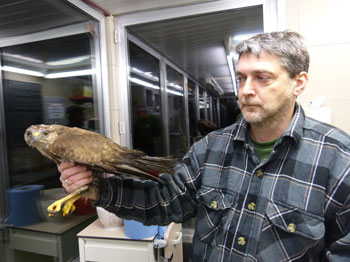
(322, 114)
(56, 110)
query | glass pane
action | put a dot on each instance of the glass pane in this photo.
(208, 107)
(192, 110)
(176, 112)
(215, 112)
(145, 102)
(229, 110)
(201, 104)
(45, 86)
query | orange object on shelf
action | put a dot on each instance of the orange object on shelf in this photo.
(83, 206)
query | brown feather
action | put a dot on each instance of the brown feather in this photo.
(60, 143)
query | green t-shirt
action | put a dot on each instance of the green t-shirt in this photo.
(264, 149)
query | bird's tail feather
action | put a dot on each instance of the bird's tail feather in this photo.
(156, 165)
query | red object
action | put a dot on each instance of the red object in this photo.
(83, 206)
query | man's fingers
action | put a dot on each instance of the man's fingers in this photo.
(72, 171)
(64, 165)
(83, 182)
(74, 179)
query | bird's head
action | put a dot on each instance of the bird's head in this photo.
(39, 135)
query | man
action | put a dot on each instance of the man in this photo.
(272, 187)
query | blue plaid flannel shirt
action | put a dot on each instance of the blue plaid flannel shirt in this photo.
(293, 206)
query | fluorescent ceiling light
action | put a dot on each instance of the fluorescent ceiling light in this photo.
(143, 83)
(174, 92)
(71, 73)
(21, 71)
(69, 61)
(176, 86)
(241, 37)
(25, 58)
(147, 75)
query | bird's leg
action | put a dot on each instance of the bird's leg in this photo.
(56, 207)
(69, 206)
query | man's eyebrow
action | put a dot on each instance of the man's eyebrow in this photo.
(258, 71)
(262, 72)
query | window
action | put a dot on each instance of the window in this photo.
(176, 112)
(192, 110)
(145, 96)
(202, 105)
(42, 86)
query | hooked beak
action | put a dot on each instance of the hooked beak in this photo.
(35, 136)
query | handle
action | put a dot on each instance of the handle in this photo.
(178, 239)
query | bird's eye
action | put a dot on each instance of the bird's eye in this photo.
(45, 133)
(29, 133)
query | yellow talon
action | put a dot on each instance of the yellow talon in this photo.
(69, 206)
(56, 207)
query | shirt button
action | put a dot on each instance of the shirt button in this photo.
(259, 173)
(251, 206)
(291, 228)
(241, 241)
(214, 205)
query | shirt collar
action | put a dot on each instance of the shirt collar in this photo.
(294, 130)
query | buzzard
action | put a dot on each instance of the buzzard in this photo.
(101, 155)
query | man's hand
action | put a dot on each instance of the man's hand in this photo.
(74, 176)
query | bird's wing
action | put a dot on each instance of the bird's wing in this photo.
(97, 152)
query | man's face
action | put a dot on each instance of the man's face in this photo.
(265, 89)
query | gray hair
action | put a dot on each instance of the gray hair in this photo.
(286, 45)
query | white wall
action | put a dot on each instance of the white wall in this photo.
(324, 24)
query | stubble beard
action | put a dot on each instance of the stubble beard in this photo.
(266, 117)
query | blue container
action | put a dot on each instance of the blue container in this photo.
(24, 205)
(161, 231)
(137, 230)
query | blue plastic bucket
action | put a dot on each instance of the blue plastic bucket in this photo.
(25, 205)
(137, 230)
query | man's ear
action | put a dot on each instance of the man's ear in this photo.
(301, 80)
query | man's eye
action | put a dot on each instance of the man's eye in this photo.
(263, 78)
(240, 79)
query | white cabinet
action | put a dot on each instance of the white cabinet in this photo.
(99, 244)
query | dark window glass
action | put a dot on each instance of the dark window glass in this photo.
(145, 103)
(202, 105)
(176, 112)
(208, 108)
(192, 110)
(49, 82)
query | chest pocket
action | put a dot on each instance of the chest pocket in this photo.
(216, 208)
(296, 229)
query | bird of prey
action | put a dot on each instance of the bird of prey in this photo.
(205, 126)
(101, 155)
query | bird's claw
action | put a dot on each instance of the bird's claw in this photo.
(66, 204)
(54, 208)
(68, 209)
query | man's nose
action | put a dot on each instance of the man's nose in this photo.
(247, 87)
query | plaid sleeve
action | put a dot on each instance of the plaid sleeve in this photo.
(338, 228)
(172, 199)
(339, 246)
